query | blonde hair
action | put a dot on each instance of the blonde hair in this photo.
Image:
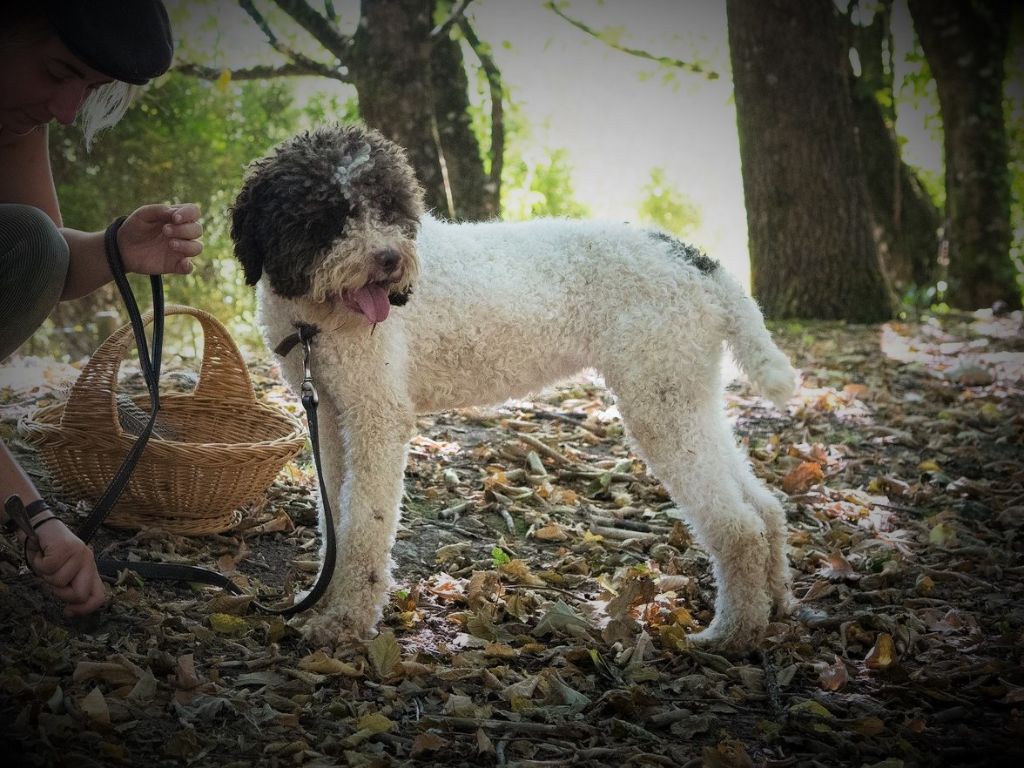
(104, 107)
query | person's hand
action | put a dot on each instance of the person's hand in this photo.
(161, 239)
(68, 567)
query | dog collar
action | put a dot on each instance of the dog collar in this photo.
(303, 333)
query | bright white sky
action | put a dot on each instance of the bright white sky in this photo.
(616, 115)
(613, 113)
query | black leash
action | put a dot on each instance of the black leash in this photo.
(151, 373)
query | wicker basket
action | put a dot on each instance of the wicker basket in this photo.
(228, 448)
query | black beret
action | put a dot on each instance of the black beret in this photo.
(128, 40)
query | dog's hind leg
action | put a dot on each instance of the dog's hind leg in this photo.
(688, 445)
(774, 516)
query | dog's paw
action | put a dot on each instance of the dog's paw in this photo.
(724, 635)
(332, 629)
(784, 604)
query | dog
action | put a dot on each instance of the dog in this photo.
(419, 315)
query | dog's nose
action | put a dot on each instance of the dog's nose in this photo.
(388, 260)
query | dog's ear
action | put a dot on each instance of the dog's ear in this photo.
(245, 232)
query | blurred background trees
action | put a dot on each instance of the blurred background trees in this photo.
(840, 222)
(812, 250)
(965, 44)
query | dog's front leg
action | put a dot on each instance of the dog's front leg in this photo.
(375, 432)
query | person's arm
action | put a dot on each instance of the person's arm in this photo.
(27, 178)
(63, 560)
(154, 240)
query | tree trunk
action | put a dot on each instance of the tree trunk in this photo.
(811, 248)
(906, 220)
(472, 197)
(390, 69)
(965, 45)
(400, 94)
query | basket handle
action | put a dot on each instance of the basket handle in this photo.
(223, 369)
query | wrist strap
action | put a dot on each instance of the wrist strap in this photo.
(19, 515)
(36, 507)
(45, 520)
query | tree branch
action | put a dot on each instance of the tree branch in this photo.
(497, 104)
(292, 69)
(458, 13)
(320, 27)
(264, 25)
(663, 60)
(300, 60)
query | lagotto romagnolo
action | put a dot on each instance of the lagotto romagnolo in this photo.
(420, 315)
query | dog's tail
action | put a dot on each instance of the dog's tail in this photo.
(751, 344)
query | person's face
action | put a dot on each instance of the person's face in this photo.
(43, 81)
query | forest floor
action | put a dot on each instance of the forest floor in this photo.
(546, 589)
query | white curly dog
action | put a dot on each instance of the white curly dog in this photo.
(419, 315)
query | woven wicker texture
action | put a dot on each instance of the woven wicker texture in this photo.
(228, 448)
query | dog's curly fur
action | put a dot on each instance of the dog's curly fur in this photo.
(330, 227)
(291, 205)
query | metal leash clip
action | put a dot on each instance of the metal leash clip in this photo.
(308, 390)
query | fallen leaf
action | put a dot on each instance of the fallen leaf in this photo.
(384, 654)
(95, 707)
(551, 532)
(185, 674)
(833, 676)
(727, 754)
(561, 618)
(869, 726)
(882, 654)
(838, 568)
(484, 745)
(323, 664)
(802, 477)
(226, 624)
(942, 535)
(427, 742)
(811, 707)
(375, 722)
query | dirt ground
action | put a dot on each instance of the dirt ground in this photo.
(546, 588)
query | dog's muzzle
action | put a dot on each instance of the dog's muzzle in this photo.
(375, 299)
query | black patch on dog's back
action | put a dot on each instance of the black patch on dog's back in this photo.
(688, 253)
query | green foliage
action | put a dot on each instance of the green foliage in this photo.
(529, 189)
(499, 557)
(916, 301)
(917, 92)
(666, 207)
(541, 189)
(327, 108)
(184, 140)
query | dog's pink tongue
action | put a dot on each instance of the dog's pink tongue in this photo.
(373, 302)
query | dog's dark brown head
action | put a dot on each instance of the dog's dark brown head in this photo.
(331, 215)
